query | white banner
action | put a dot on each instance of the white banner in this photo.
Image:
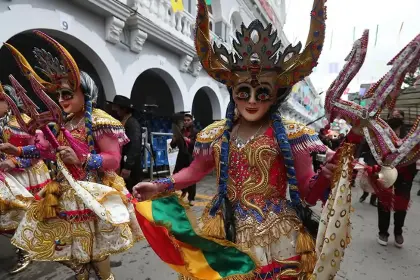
(172, 155)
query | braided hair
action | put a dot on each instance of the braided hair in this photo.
(282, 140)
(90, 90)
(224, 156)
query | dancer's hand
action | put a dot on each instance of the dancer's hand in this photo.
(9, 149)
(331, 163)
(68, 155)
(328, 170)
(145, 190)
(7, 165)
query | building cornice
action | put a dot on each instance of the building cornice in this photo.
(106, 8)
(161, 36)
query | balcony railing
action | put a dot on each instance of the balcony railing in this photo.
(161, 13)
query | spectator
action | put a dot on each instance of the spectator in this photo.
(185, 154)
(365, 153)
(402, 189)
(131, 168)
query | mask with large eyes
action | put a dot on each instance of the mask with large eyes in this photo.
(261, 93)
(65, 94)
(253, 103)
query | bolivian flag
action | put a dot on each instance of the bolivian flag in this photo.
(170, 232)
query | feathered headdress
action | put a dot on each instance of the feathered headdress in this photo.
(256, 52)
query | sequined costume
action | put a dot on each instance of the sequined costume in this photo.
(77, 233)
(22, 183)
(265, 222)
(254, 177)
(28, 177)
(86, 213)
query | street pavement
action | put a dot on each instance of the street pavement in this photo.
(364, 259)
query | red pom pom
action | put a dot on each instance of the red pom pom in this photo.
(376, 168)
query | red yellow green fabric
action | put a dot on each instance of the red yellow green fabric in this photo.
(171, 234)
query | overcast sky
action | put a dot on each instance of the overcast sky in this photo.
(345, 15)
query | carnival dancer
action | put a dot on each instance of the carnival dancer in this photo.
(389, 151)
(257, 154)
(87, 214)
(18, 173)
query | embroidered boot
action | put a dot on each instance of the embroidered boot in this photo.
(22, 263)
(103, 269)
(81, 270)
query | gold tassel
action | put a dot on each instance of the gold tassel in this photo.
(4, 206)
(307, 262)
(47, 207)
(304, 243)
(113, 181)
(305, 247)
(214, 227)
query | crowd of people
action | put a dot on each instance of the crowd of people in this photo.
(71, 187)
(401, 188)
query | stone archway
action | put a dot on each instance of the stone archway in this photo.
(169, 73)
(26, 41)
(156, 87)
(89, 44)
(206, 107)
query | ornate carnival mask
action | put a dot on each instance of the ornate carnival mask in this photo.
(257, 54)
(56, 70)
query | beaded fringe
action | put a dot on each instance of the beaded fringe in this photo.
(307, 144)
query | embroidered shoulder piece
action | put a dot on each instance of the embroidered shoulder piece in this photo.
(14, 123)
(302, 138)
(12, 128)
(208, 136)
(104, 124)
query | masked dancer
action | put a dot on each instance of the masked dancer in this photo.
(22, 178)
(257, 154)
(86, 215)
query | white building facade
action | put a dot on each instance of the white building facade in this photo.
(137, 48)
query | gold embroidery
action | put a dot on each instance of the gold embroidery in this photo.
(59, 240)
(251, 232)
(211, 132)
(41, 241)
(262, 159)
(260, 154)
(14, 123)
(295, 130)
(101, 118)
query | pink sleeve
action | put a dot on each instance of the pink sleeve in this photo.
(110, 151)
(199, 168)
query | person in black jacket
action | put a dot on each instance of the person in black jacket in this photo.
(131, 169)
(365, 153)
(185, 143)
(402, 189)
